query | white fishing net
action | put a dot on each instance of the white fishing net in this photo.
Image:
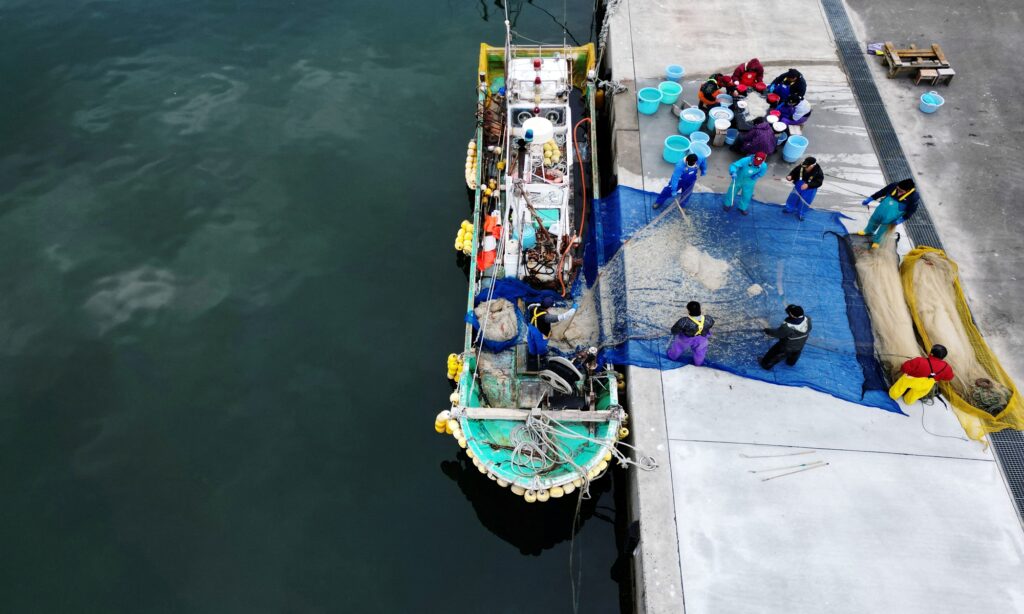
(937, 309)
(500, 318)
(662, 267)
(879, 277)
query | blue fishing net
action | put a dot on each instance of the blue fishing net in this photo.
(642, 266)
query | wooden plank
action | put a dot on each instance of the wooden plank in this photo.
(915, 53)
(892, 59)
(892, 55)
(562, 415)
(938, 54)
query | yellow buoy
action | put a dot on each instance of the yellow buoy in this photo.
(608, 456)
(469, 453)
(557, 492)
(482, 468)
(453, 424)
(530, 496)
(543, 495)
(578, 482)
(447, 429)
(462, 443)
(500, 165)
(439, 427)
(602, 466)
(518, 490)
(454, 397)
(502, 483)
(623, 433)
(568, 489)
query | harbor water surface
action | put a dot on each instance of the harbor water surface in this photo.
(228, 293)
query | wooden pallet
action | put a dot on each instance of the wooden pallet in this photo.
(906, 61)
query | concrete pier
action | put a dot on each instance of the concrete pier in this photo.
(908, 516)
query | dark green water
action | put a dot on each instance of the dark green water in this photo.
(227, 293)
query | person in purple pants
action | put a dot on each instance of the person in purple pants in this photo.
(691, 333)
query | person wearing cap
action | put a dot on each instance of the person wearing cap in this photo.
(744, 172)
(806, 179)
(792, 335)
(684, 177)
(541, 318)
(707, 95)
(920, 374)
(760, 137)
(899, 201)
(691, 333)
(795, 112)
(749, 73)
(789, 83)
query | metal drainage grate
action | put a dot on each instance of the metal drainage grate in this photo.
(1007, 445)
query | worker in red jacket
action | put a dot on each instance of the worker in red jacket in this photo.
(920, 375)
(749, 73)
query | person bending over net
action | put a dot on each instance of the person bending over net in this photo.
(539, 329)
(899, 202)
(920, 374)
(691, 333)
(684, 177)
(792, 335)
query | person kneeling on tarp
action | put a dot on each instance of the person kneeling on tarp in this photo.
(920, 375)
(792, 334)
(539, 330)
(899, 201)
(691, 333)
(684, 177)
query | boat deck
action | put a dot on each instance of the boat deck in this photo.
(906, 514)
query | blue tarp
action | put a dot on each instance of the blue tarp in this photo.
(805, 263)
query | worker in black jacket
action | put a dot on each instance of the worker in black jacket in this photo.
(791, 334)
(806, 179)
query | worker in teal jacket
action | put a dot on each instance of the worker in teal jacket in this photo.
(899, 201)
(744, 172)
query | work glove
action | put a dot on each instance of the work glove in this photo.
(567, 314)
(866, 201)
(803, 187)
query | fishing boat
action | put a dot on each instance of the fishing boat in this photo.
(541, 429)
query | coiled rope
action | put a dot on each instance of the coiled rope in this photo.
(537, 450)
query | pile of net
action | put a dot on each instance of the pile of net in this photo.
(983, 394)
(878, 271)
(643, 266)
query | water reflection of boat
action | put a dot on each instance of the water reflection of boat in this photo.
(532, 533)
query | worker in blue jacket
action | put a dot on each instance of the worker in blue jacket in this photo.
(684, 177)
(744, 172)
(899, 201)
